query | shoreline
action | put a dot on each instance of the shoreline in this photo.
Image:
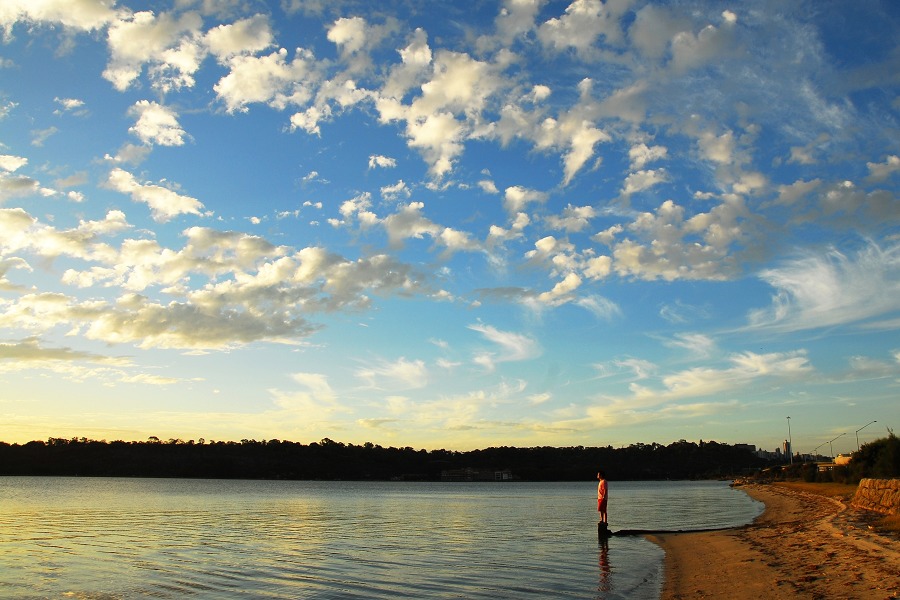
(803, 545)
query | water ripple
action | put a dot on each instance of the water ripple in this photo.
(120, 538)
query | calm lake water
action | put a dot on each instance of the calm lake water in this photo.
(174, 538)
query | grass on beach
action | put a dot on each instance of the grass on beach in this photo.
(844, 492)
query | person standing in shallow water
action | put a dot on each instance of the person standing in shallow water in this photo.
(602, 495)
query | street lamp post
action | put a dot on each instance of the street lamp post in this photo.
(816, 451)
(857, 433)
(831, 447)
(790, 442)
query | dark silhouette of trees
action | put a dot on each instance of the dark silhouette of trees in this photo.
(328, 459)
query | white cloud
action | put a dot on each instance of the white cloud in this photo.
(516, 198)
(831, 289)
(254, 291)
(315, 404)
(881, 171)
(448, 109)
(583, 22)
(598, 267)
(267, 79)
(78, 14)
(247, 36)
(561, 292)
(165, 204)
(639, 368)
(573, 218)
(697, 345)
(415, 58)
(642, 180)
(654, 28)
(349, 34)
(488, 187)
(668, 399)
(719, 149)
(70, 105)
(513, 346)
(675, 248)
(800, 189)
(691, 51)
(401, 374)
(17, 185)
(641, 155)
(12, 163)
(170, 44)
(600, 307)
(383, 162)
(409, 222)
(396, 191)
(516, 18)
(156, 124)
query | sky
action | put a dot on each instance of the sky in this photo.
(450, 224)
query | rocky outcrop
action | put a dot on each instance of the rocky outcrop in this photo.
(879, 495)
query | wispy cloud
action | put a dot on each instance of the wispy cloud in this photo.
(831, 289)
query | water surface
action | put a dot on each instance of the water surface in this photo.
(175, 538)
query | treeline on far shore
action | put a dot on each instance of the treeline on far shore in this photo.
(331, 460)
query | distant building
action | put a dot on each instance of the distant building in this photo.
(786, 448)
(470, 474)
(768, 455)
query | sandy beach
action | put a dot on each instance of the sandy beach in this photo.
(803, 546)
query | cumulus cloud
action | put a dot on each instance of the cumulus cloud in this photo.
(667, 245)
(269, 79)
(70, 105)
(349, 34)
(396, 191)
(573, 218)
(383, 162)
(582, 23)
(516, 198)
(449, 107)
(78, 14)
(642, 180)
(165, 204)
(641, 155)
(246, 36)
(255, 291)
(170, 44)
(881, 171)
(690, 51)
(156, 124)
(12, 163)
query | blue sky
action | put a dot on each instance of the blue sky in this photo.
(450, 225)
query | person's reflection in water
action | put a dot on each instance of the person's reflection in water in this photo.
(605, 585)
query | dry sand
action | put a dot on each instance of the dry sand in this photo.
(803, 546)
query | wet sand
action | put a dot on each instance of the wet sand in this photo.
(802, 546)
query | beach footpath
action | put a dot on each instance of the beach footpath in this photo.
(804, 545)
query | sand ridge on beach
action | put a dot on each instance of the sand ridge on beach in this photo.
(802, 546)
